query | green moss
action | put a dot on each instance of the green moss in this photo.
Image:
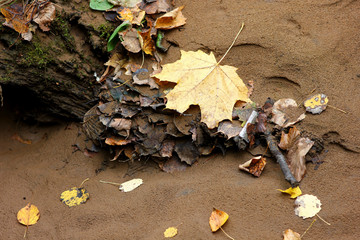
(62, 28)
(36, 55)
(105, 31)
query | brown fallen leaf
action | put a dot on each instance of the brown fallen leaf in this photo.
(146, 42)
(173, 164)
(289, 234)
(288, 140)
(116, 141)
(131, 41)
(120, 124)
(286, 112)
(217, 219)
(167, 148)
(196, 74)
(170, 20)
(229, 128)
(155, 6)
(15, 18)
(255, 166)
(20, 139)
(187, 151)
(46, 16)
(295, 157)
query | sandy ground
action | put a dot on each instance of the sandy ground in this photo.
(288, 48)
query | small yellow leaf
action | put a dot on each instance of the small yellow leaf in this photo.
(294, 192)
(170, 232)
(75, 196)
(217, 219)
(28, 215)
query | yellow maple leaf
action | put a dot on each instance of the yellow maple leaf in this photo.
(202, 81)
(293, 192)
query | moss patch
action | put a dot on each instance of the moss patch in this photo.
(36, 55)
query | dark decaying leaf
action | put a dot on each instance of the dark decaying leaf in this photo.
(187, 151)
(167, 148)
(255, 166)
(131, 41)
(185, 121)
(173, 164)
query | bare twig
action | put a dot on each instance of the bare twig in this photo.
(280, 160)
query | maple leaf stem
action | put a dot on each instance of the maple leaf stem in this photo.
(84, 182)
(232, 44)
(226, 234)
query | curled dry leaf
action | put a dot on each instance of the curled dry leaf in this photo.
(170, 20)
(255, 166)
(116, 141)
(46, 16)
(146, 42)
(288, 140)
(307, 206)
(120, 124)
(196, 74)
(217, 219)
(316, 104)
(289, 234)
(286, 112)
(293, 192)
(295, 157)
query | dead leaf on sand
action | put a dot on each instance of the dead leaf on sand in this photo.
(187, 151)
(116, 141)
(173, 164)
(167, 148)
(295, 157)
(196, 74)
(288, 140)
(217, 219)
(255, 166)
(289, 234)
(170, 20)
(286, 112)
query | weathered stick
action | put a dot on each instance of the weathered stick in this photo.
(280, 160)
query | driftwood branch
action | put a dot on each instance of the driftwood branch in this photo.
(280, 159)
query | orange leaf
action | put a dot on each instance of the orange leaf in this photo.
(125, 14)
(20, 139)
(217, 219)
(255, 166)
(116, 141)
(15, 19)
(146, 42)
(288, 140)
(170, 20)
